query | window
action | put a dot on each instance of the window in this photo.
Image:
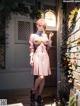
(50, 19)
(23, 30)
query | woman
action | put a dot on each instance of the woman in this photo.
(39, 59)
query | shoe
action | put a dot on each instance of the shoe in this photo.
(32, 96)
(39, 100)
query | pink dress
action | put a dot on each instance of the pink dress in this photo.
(40, 56)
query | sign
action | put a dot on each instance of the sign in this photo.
(71, 0)
(3, 102)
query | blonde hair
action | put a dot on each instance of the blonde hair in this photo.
(42, 22)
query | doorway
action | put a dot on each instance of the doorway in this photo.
(51, 81)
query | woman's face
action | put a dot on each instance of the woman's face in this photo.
(40, 27)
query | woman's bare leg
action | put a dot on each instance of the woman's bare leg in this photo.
(40, 89)
(41, 86)
(37, 83)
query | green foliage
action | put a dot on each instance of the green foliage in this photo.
(18, 6)
(8, 6)
(35, 13)
(72, 101)
(67, 68)
(64, 91)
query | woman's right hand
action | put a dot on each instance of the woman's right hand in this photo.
(31, 61)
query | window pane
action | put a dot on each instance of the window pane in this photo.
(23, 30)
